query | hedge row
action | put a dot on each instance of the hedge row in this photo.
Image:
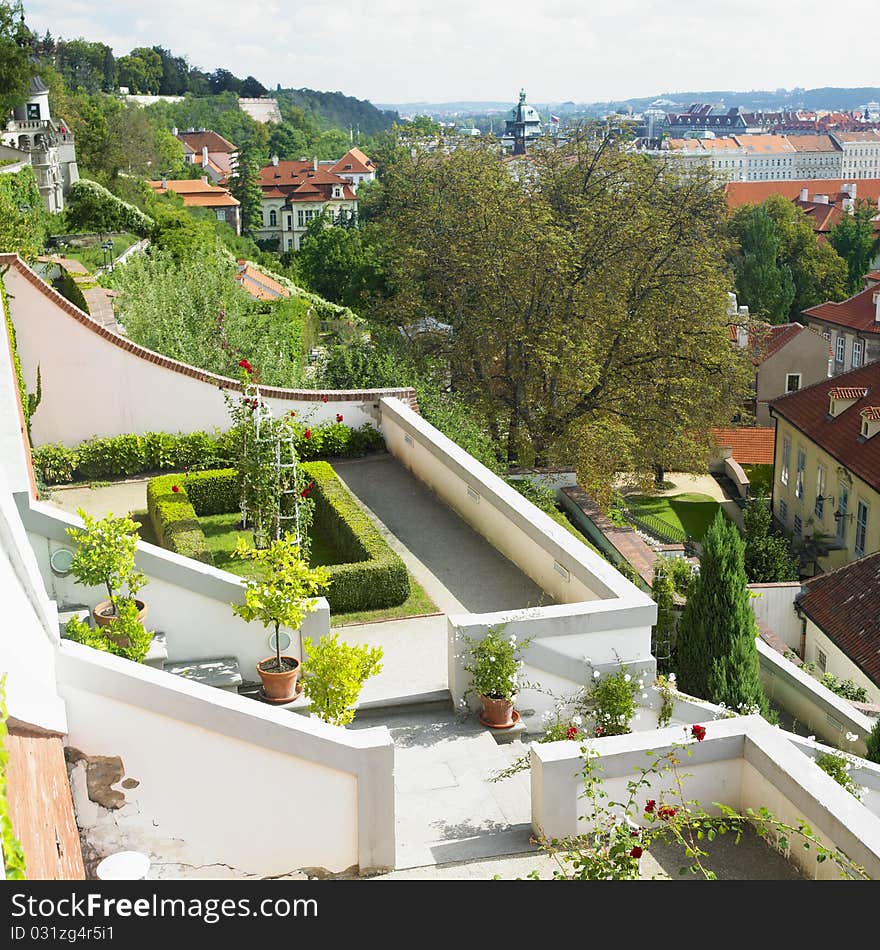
(376, 576)
(126, 455)
(174, 518)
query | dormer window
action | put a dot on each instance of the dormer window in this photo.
(870, 422)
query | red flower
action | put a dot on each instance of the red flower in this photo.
(636, 852)
(650, 805)
(186, 468)
(571, 732)
(305, 493)
(292, 412)
(339, 417)
(244, 364)
(175, 489)
(308, 433)
(666, 812)
(698, 732)
(323, 399)
(598, 730)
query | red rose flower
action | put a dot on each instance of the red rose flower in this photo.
(598, 730)
(698, 732)
(323, 399)
(308, 433)
(305, 493)
(666, 812)
(650, 804)
(339, 417)
(571, 732)
(244, 364)
(636, 852)
(175, 489)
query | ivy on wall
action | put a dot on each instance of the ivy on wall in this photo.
(23, 216)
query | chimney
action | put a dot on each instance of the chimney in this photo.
(275, 160)
(164, 183)
(876, 299)
(848, 205)
(821, 199)
(174, 131)
(850, 188)
(805, 194)
(315, 164)
(204, 156)
(205, 179)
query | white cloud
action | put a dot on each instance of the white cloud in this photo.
(393, 51)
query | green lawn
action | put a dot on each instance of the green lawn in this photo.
(760, 479)
(93, 257)
(691, 512)
(222, 537)
(415, 605)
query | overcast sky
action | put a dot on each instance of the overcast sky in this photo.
(443, 50)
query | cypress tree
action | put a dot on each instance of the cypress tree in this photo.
(873, 743)
(716, 657)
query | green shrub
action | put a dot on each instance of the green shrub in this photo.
(376, 576)
(873, 743)
(126, 455)
(91, 207)
(334, 673)
(174, 519)
(845, 688)
(214, 492)
(838, 765)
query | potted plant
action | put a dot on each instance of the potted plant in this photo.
(104, 557)
(123, 636)
(334, 673)
(493, 665)
(283, 593)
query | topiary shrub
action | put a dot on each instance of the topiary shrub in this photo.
(174, 519)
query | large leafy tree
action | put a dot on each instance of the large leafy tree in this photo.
(15, 67)
(764, 279)
(339, 263)
(578, 301)
(857, 242)
(715, 651)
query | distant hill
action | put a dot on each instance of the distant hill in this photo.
(338, 110)
(827, 97)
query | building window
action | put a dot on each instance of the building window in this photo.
(821, 660)
(33, 111)
(798, 526)
(783, 511)
(820, 492)
(786, 460)
(840, 350)
(273, 218)
(221, 215)
(857, 354)
(792, 382)
(301, 219)
(827, 335)
(840, 514)
(861, 529)
(799, 478)
(289, 243)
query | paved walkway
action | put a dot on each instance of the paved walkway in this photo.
(121, 498)
(458, 568)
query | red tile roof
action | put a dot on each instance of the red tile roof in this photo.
(749, 445)
(821, 216)
(766, 340)
(848, 392)
(845, 605)
(807, 410)
(871, 412)
(198, 140)
(301, 181)
(258, 284)
(754, 192)
(858, 312)
(354, 162)
(812, 143)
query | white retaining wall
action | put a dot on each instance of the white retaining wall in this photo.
(774, 608)
(743, 762)
(224, 780)
(97, 383)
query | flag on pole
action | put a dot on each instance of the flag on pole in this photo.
(554, 119)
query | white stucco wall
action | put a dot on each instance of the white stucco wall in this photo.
(94, 384)
(223, 779)
(837, 662)
(773, 605)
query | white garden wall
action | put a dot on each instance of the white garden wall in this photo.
(773, 605)
(743, 762)
(223, 780)
(120, 387)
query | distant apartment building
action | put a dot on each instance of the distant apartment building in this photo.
(817, 156)
(199, 193)
(861, 153)
(851, 327)
(744, 157)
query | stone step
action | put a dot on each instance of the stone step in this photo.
(222, 672)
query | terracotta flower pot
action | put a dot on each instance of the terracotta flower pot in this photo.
(497, 713)
(103, 612)
(279, 687)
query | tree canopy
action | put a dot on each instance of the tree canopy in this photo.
(15, 67)
(856, 241)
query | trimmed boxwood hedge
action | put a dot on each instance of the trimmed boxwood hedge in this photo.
(376, 576)
(174, 519)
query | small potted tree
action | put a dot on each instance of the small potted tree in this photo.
(104, 557)
(334, 674)
(281, 596)
(493, 665)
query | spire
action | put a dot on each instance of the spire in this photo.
(522, 97)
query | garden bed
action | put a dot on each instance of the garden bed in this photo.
(365, 574)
